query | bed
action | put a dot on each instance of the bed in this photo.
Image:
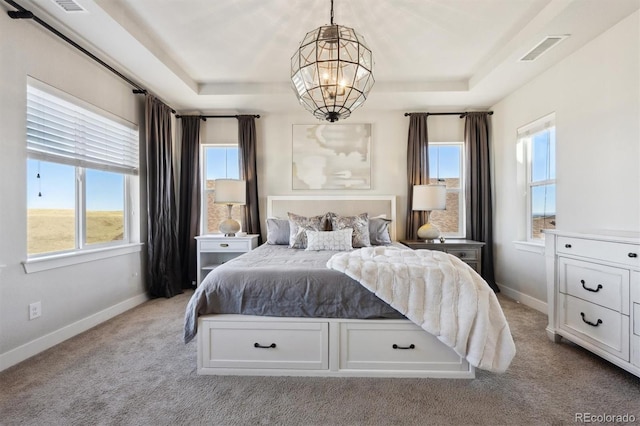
(279, 310)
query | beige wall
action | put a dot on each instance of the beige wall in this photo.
(73, 297)
(595, 94)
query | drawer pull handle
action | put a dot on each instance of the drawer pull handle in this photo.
(633, 254)
(224, 245)
(411, 346)
(597, 323)
(567, 245)
(461, 255)
(590, 289)
(258, 345)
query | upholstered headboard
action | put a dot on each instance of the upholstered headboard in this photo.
(345, 205)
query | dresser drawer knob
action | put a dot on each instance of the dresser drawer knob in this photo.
(633, 254)
(567, 245)
(591, 289)
(411, 346)
(258, 345)
(224, 245)
(597, 323)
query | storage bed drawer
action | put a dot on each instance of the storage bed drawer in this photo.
(265, 345)
(379, 346)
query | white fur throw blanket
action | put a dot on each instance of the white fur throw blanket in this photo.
(441, 294)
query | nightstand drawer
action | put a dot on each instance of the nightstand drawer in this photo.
(464, 254)
(227, 244)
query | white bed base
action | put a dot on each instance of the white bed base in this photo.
(327, 347)
(324, 346)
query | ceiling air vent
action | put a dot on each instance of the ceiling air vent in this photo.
(69, 5)
(542, 47)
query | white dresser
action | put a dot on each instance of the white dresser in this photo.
(593, 293)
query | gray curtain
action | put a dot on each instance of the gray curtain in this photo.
(247, 157)
(417, 170)
(163, 261)
(189, 206)
(478, 197)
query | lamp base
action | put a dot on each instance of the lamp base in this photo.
(229, 227)
(428, 232)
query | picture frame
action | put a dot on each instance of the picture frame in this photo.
(331, 156)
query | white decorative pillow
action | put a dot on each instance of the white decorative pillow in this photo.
(329, 240)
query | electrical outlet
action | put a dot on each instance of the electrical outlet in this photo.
(35, 310)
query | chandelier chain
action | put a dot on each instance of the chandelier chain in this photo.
(331, 12)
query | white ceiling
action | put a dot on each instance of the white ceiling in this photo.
(233, 56)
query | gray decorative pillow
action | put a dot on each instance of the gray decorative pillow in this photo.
(359, 224)
(298, 225)
(329, 240)
(277, 231)
(379, 231)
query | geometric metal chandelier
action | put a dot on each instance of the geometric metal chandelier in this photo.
(332, 71)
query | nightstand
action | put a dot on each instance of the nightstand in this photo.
(214, 250)
(469, 251)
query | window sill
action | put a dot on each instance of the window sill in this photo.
(530, 246)
(75, 258)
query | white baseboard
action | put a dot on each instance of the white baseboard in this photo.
(45, 342)
(526, 300)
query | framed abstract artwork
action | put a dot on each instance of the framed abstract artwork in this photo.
(331, 156)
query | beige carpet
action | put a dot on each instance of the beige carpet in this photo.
(135, 370)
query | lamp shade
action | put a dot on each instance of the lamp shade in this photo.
(429, 197)
(230, 191)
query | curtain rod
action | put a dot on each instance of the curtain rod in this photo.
(461, 114)
(23, 13)
(204, 117)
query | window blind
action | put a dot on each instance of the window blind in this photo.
(537, 126)
(63, 132)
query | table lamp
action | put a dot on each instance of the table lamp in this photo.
(230, 192)
(428, 198)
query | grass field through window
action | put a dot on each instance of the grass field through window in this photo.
(51, 230)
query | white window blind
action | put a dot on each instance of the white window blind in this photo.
(63, 132)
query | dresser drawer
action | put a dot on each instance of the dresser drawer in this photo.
(465, 255)
(599, 326)
(265, 345)
(604, 285)
(626, 254)
(227, 244)
(394, 347)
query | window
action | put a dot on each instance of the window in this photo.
(220, 162)
(538, 142)
(80, 164)
(446, 165)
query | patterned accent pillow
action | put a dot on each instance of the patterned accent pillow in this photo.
(359, 224)
(277, 231)
(299, 224)
(379, 231)
(329, 240)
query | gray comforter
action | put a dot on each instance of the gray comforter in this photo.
(282, 282)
